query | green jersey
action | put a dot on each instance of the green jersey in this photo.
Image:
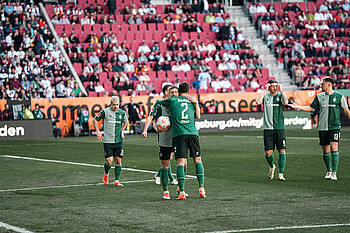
(273, 111)
(38, 114)
(329, 106)
(84, 116)
(112, 124)
(182, 112)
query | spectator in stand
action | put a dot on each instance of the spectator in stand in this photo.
(204, 79)
(195, 7)
(210, 18)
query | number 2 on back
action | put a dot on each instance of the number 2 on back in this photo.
(183, 114)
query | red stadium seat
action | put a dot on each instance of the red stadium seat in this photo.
(92, 94)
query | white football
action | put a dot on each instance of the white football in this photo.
(163, 123)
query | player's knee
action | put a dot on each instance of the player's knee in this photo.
(269, 152)
(109, 161)
(197, 159)
(118, 161)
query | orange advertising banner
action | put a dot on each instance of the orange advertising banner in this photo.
(66, 109)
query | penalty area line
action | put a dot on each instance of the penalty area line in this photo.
(69, 186)
(284, 228)
(13, 228)
(80, 164)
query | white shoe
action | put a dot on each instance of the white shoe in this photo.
(272, 172)
(157, 179)
(334, 176)
(328, 175)
(281, 177)
(166, 195)
(174, 182)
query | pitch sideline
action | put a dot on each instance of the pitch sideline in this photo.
(80, 164)
(284, 228)
(13, 228)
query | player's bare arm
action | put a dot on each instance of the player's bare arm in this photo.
(123, 128)
(148, 122)
(261, 97)
(198, 110)
(98, 132)
(302, 108)
(347, 112)
(284, 97)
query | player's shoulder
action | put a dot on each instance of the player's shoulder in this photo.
(336, 93)
(121, 111)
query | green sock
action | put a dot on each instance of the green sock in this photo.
(170, 174)
(327, 160)
(282, 161)
(164, 178)
(158, 173)
(107, 167)
(185, 169)
(335, 160)
(200, 174)
(269, 159)
(181, 176)
(118, 171)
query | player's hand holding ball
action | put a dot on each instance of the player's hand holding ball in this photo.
(162, 124)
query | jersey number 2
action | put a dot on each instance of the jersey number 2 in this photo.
(183, 113)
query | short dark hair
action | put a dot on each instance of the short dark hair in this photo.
(173, 87)
(328, 79)
(166, 86)
(184, 87)
(271, 81)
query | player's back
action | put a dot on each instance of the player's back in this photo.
(183, 113)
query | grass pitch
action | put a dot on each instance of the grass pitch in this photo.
(41, 195)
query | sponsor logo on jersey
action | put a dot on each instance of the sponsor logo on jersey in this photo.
(99, 114)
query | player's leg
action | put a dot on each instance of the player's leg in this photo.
(334, 141)
(269, 147)
(325, 143)
(118, 155)
(170, 174)
(109, 160)
(281, 147)
(195, 153)
(164, 155)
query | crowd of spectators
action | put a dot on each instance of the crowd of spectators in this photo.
(105, 53)
(31, 63)
(309, 43)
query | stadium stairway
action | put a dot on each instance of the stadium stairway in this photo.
(238, 15)
(161, 2)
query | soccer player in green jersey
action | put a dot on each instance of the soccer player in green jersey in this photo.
(329, 103)
(184, 109)
(274, 130)
(164, 141)
(114, 124)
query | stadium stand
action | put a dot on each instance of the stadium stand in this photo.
(310, 40)
(31, 63)
(170, 42)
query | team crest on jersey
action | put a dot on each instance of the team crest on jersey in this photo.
(120, 117)
(278, 99)
(334, 99)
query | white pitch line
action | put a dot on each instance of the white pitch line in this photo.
(303, 138)
(69, 186)
(13, 228)
(284, 228)
(80, 164)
